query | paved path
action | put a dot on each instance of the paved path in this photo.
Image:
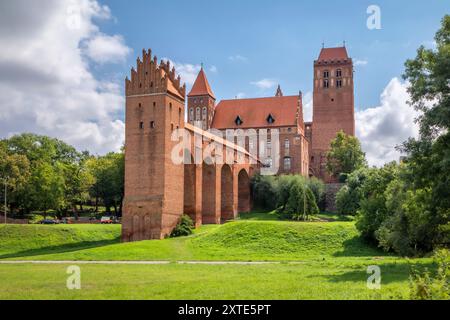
(145, 262)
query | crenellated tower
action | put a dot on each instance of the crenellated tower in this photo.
(155, 100)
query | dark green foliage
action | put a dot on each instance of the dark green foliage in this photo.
(345, 156)
(427, 286)
(264, 192)
(301, 204)
(294, 196)
(184, 228)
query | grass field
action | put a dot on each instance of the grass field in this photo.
(317, 260)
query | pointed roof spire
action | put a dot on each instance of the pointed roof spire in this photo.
(201, 86)
(279, 93)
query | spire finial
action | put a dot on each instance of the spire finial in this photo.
(344, 43)
(201, 65)
(279, 93)
(323, 44)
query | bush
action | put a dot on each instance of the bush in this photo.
(264, 192)
(184, 228)
(347, 201)
(301, 203)
(428, 287)
(318, 189)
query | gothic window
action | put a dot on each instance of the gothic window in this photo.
(204, 113)
(152, 124)
(141, 125)
(197, 114)
(287, 164)
(269, 162)
(287, 145)
(339, 83)
(326, 74)
(191, 114)
(338, 73)
(270, 119)
(238, 121)
(326, 83)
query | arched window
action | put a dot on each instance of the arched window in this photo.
(191, 114)
(326, 74)
(339, 83)
(197, 114)
(338, 73)
(326, 83)
(204, 113)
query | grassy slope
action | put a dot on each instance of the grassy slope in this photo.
(241, 241)
(333, 263)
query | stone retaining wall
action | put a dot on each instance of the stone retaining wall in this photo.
(330, 196)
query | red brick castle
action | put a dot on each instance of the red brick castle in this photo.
(159, 190)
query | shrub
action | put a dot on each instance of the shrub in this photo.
(347, 201)
(184, 228)
(301, 203)
(318, 189)
(428, 287)
(264, 192)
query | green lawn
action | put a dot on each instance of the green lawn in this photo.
(318, 260)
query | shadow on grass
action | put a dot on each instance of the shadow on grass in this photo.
(357, 247)
(60, 249)
(390, 272)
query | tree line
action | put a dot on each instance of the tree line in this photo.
(406, 207)
(44, 174)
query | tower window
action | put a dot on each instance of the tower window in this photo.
(270, 119)
(140, 85)
(152, 124)
(326, 74)
(140, 105)
(191, 114)
(151, 84)
(141, 125)
(238, 121)
(197, 113)
(204, 113)
(339, 83)
(287, 145)
(338, 73)
(154, 104)
(326, 83)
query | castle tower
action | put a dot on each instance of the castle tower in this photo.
(154, 191)
(333, 104)
(201, 102)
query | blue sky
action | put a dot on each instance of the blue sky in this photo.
(63, 62)
(276, 40)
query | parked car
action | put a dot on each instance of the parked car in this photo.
(49, 221)
(106, 220)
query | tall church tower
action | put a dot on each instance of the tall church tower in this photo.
(333, 104)
(201, 102)
(154, 184)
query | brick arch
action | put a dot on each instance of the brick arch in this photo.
(243, 191)
(226, 197)
(209, 193)
(190, 183)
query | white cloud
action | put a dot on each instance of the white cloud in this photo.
(382, 128)
(308, 107)
(237, 58)
(187, 71)
(46, 86)
(359, 62)
(264, 84)
(107, 49)
(241, 95)
(213, 69)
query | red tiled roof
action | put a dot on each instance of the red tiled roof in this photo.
(254, 112)
(201, 86)
(333, 54)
